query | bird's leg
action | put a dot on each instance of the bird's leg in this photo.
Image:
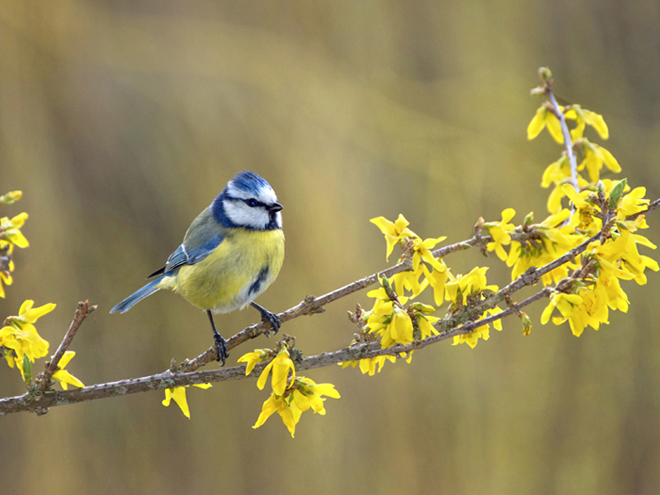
(269, 317)
(220, 344)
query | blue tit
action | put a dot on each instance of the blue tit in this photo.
(230, 254)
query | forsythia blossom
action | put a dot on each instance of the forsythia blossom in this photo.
(179, 396)
(394, 231)
(280, 367)
(10, 236)
(500, 233)
(19, 337)
(303, 395)
(63, 376)
(253, 358)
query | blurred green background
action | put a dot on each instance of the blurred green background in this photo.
(121, 120)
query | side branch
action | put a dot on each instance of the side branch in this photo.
(43, 379)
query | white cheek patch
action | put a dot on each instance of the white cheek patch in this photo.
(244, 216)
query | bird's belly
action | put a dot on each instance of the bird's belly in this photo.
(237, 271)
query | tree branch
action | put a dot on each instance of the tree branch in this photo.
(37, 400)
(170, 379)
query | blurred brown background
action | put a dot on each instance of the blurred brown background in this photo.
(121, 120)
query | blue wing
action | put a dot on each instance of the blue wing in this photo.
(184, 256)
(203, 236)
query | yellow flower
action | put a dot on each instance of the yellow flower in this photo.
(425, 324)
(369, 365)
(584, 117)
(621, 258)
(542, 119)
(280, 367)
(438, 279)
(594, 158)
(394, 231)
(423, 252)
(408, 281)
(400, 329)
(20, 337)
(308, 394)
(568, 306)
(254, 358)
(482, 332)
(469, 284)
(179, 396)
(63, 376)
(305, 394)
(555, 240)
(632, 203)
(556, 172)
(587, 219)
(10, 230)
(376, 364)
(393, 328)
(499, 231)
(290, 415)
(29, 315)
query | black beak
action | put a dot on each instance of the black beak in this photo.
(275, 207)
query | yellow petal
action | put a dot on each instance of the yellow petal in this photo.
(261, 382)
(609, 160)
(385, 226)
(554, 127)
(179, 396)
(66, 358)
(270, 406)
(537, 124)
(64, 377)
(597, 122)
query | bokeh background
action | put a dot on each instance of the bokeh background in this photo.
(121, 120)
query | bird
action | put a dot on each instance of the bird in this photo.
(229, 256)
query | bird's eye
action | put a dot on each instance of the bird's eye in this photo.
(252, 203)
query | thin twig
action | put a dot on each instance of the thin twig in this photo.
(83, 310)
(568, 143)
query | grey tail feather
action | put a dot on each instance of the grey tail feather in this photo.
(137, 296)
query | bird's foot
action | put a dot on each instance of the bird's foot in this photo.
(221, 347)
(268, 317)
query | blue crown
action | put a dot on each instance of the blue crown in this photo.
(249, 182)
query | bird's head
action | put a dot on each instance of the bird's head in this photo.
(249, 202)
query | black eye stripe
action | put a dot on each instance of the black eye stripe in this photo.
(248, 201)
(254, 203)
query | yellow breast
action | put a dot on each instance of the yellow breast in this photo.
(244, 264)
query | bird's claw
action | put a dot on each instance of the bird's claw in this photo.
(268, 317)
(221, 348)
(273, 319)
